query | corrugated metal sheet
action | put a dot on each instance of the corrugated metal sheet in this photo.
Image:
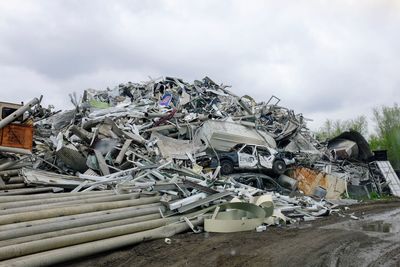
(390, 176)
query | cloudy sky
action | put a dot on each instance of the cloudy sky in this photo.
(325, 59)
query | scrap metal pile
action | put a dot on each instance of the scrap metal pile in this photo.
(149, 160)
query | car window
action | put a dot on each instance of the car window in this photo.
(263, 152)
(236, 147)
(247, 150)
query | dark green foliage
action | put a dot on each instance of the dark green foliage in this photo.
(387, 121)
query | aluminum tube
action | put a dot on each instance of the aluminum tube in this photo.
(74, 217)
(50, 195)
(10, 118)
(25, 203)
(68, 203)
(12, 186)
(56, 226)
(15, 166)
(57, 256)
(63, 211)
(15, 150)
(80, 229)
(79, 238)
(26, 191)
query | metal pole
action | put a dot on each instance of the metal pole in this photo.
(66, 203)
(74, 217)
(28, 191)
(63, 211)
(15, 150)
(12, 186)
(66, 224)
(56, 256)
(4, 199)
(80, 229)
(10, 118)
(79, 238)
(34, 202)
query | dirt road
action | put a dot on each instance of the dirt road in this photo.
(373, 240)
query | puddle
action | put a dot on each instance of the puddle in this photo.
(387, 223)
(378, 226)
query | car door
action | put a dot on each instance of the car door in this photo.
(247, 158)
(265, 157)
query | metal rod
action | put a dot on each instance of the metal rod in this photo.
(81, 229)
(28, 191)
(62, 211)
(56, 256)
(15, 150)
(4, 199)
(43, 206)
(10, 118)
(12, 186)
(79, 238)
(74, 217)
(26, 203)
(66, 224)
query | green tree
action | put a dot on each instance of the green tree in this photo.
(332, 128)
(387, 120)
(359, 124)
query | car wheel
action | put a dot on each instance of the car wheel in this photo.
(226, 166)
(279, 166)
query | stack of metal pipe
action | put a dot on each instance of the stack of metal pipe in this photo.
(46, 229)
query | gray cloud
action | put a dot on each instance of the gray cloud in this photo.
(322, 58)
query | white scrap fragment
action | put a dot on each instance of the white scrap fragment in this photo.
(261, 228)
(354, 217)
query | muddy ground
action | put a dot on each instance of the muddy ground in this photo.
(373, 240)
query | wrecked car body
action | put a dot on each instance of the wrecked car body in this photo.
(251, 157)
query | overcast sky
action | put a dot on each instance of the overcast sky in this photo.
(325, 59)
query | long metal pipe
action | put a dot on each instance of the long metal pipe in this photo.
(25, 203)
(74, 217)
(12, 186)
(15, 150)
(10, 118)
(28, 191)
(15, 164)
(80, 229)
(69, 203)
(62, 211)
(50, 195)
(36, 246)
(57, 256)
(49, 227)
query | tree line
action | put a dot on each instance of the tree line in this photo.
(386, 135)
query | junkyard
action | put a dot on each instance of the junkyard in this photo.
(188, 173)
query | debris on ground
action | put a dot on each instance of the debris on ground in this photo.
(153, 159)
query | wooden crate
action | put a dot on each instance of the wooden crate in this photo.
(17, 135)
